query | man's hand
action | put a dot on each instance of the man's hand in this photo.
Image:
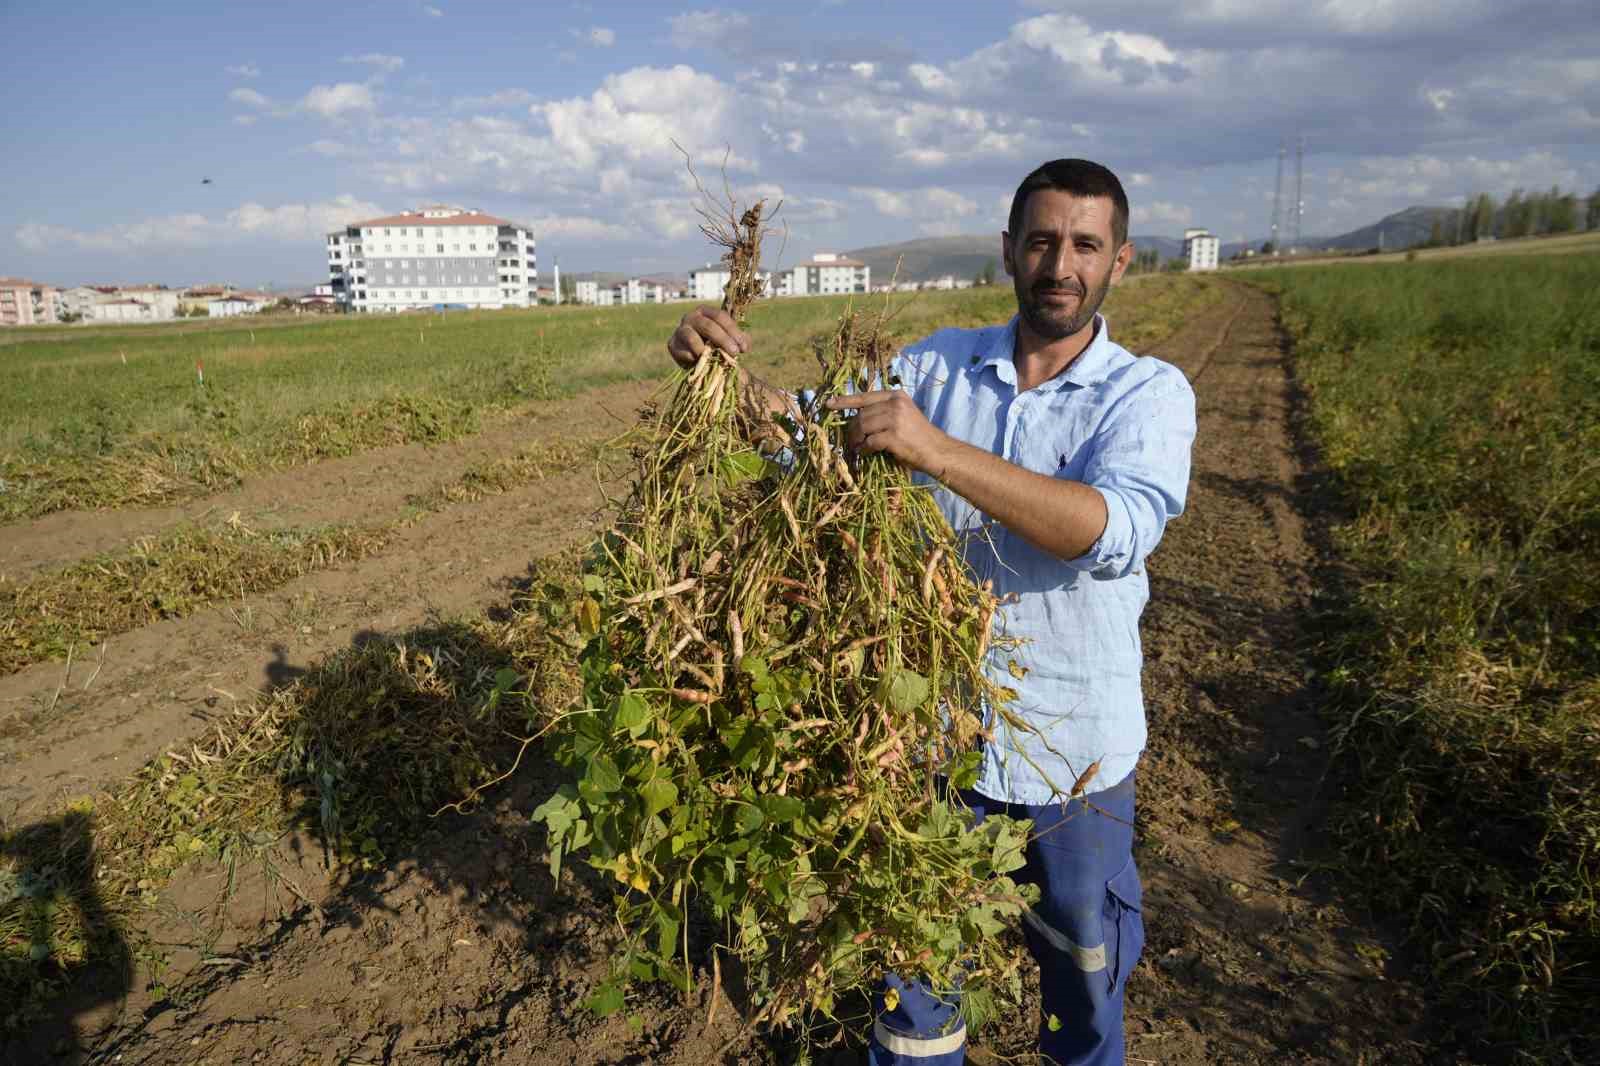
(890, 421)
(704, 328)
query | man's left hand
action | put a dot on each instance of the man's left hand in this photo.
(890, 421)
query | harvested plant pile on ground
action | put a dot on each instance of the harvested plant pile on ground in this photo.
(784, 661)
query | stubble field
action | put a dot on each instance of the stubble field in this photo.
(257, 634)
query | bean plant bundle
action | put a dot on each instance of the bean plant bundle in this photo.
(783, 691)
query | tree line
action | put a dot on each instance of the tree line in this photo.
(1522, 214)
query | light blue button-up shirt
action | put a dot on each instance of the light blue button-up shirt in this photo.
(1120, 424)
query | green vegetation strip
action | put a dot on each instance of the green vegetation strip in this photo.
(161, 577)
(1458, 405)
(175, 412)
(193, 567)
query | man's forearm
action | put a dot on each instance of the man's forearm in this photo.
(1064, 518)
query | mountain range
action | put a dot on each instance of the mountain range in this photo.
(966, 255)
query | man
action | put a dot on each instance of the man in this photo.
(1061, 457)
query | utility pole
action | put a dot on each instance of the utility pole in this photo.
(1277, 203)
(558, 281)
(1299, 194)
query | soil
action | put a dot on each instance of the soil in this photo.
(463, 949)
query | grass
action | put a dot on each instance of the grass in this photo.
(114, 419)
(1457, 403)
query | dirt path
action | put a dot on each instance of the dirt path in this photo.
(462, 950)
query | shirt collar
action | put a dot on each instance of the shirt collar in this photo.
(1089, 368)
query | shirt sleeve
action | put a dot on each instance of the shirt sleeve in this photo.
(1140, 465)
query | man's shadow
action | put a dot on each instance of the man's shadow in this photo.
(65, 966)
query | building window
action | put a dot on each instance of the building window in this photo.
(472, 247)
(440, 249)
(419, 233)
(386, 231)
(423, 294)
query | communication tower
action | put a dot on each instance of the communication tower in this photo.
(1299, 194)
(1277, 203)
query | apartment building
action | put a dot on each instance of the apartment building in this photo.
(708, 283)
(28, 303)
(632, 291)
(825, 274)
(436, 255)
(1200, 248)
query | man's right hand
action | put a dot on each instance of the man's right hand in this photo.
(704, 328)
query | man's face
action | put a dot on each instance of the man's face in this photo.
(1063, 262)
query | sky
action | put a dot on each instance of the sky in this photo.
(874, 121)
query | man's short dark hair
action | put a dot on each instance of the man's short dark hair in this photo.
(1079, 177)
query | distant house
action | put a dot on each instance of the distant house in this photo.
(121, 309)
(163, 303)
(238, 303)
(1200, 248)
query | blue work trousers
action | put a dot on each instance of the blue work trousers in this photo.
(1085, 933)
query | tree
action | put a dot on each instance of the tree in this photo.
(1436, 235)
(988, 272)
(1514, 217)
(1483, 217)
(1560, 212)
(1591, 218)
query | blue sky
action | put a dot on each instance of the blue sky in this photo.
(874, 121)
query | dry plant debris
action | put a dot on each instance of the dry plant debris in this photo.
(784, 664)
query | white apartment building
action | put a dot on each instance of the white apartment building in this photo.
(825, 274)
(632, 291)
(707, 284)
(1200, 248)
(431, 256)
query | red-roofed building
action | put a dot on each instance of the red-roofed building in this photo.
(435, 255)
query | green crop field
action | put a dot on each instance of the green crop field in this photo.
(1457, 404)
(106, 418)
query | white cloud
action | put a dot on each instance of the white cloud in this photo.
(287, 223)
(1161, 213)
(596, 36)
(244, 70)
(635, 116)
(336, 101)
(383, 64)
(579, 228)
(331, 149)
(706, 29)
(190, 230)
(504, 98)
(864, 70)
(433, 11)
(244, 120)
(936, 211)
(300, 222)
(1138, 180)
(249, 98)
(929, 77)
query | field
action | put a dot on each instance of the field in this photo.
(264, 636)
